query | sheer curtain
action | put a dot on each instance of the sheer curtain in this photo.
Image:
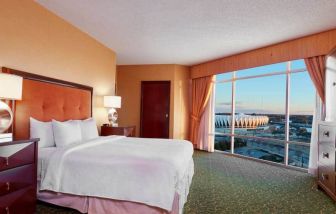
(316, 69)
(201, 92)
(207, 125)
(313, 157)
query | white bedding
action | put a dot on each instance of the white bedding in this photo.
(134, 169)
(44, 155)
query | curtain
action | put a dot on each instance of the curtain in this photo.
(316, 69)
(201, 91)
(207, 126)
(313, 154)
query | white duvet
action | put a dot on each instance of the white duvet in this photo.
(116, 167)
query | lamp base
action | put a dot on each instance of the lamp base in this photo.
(6, 117)
(113, 117)
(114, 124)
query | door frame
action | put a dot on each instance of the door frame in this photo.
(141, 104)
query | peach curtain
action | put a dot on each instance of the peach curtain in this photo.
(201, 91)
(316, 69)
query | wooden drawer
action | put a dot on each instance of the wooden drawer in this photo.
(16, 155)
(327, 134)
(15, 179)
(19, 202)
(128, 131)
(326, 155)
(327, 177)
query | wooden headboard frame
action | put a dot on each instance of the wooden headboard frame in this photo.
(52, 87)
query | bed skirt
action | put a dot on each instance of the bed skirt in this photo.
(91, 205)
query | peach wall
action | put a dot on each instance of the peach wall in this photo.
(129, 79)
(182, 84)
(34, 40)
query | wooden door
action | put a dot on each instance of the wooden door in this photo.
(155, 105)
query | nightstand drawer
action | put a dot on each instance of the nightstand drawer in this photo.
(16, 155)
(327, 135)
(15, 179)
(327, 177)
(326, 154)
(19, 202)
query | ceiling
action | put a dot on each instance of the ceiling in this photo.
(190, 32)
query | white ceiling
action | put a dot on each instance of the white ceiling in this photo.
(189, 32)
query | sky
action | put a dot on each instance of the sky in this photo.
(267, 95)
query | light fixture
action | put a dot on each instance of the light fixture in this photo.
(112, 102)
(10, 89)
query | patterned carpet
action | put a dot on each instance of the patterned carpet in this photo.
(226, 184)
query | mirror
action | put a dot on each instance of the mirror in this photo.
(330, 86)
(6, 117)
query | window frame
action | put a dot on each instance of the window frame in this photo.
(287, 142)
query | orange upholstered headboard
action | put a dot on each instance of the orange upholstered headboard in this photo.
(45, 98)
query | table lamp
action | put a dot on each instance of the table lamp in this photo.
(112, 102)
(10, 89)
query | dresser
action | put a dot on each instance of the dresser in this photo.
(326, 158)
(128, 131)
(18, 176)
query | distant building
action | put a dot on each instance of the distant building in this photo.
(241, 121)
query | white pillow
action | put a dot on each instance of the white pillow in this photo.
(66, 133)
(42, 130)
(89, 129)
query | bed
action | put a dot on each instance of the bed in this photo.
(113, 174)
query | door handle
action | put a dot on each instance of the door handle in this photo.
(167, 115)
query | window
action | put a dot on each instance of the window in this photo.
(301, 107)
(261, 112)
(223, 108)
(266, 113)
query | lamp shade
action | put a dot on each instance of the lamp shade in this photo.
(112, 101)
(10, 87)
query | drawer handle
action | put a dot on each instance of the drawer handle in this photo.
(6, 162)
(8, 186)
(7, 210)
(326, 133)
(325, 155)
(325, 177)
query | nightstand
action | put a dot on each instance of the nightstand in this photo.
(18, 176)
(128, 131)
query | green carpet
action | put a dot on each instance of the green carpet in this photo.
(226, 184)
